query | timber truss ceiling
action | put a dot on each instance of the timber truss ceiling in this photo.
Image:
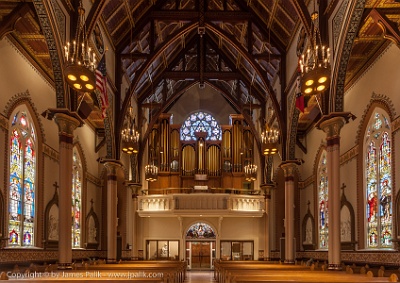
(165, 47)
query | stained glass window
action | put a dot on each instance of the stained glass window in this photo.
(201, 122)
(76, 199)
(200, 231)
(378, 183)
(323, 219)
(21, 223)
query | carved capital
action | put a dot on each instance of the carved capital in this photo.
(66, 124)
(112, 166)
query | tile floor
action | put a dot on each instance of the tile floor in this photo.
(193, 276)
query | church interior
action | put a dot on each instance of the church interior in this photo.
(198, 135)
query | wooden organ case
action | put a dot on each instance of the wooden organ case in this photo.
(200, 165)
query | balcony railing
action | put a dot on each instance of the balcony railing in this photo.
(208, 204)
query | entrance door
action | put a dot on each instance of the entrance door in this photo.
(201, 254)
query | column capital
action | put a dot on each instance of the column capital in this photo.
(289, 166)
(66, 120)
(267, 188)
(135, 187)
(112, 165)
(333, 122)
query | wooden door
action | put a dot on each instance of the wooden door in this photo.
(201, 255)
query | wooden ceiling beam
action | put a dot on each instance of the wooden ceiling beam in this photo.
(94, 15)
(229, 16)
(304, 15)
(390, 29)
(7, 25)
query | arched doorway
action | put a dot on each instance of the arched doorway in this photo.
(200, 246)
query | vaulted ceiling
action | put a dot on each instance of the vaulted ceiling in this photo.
(236, 46)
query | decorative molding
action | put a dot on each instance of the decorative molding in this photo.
(395, 125)
(46, 25)
(50, 152)
(31, 62)
(309, 181)
(338, 21)
(60, 19)
(380, 100)
(25, 98)
(93, 179)
(356, 13)
(349, 155)
(3, 123)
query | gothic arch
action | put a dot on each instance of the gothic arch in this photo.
(51, 222)
(384, 103)
(355, 12)
(23, 101)
(377, 100)
(347, 243)
(92, 230)
(307, 235)
(25, 98)
(82, 158)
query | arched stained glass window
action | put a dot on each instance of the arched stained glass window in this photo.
(76, 199)
(201, 122)
(378, 177)
(21, 224)
(200, 231)
(323, 219)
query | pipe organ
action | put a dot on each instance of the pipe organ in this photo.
(200, 162)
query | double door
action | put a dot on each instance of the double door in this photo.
(200, 255)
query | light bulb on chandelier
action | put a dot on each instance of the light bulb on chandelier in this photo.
(80, 60)
(129, 135)
(315, 64)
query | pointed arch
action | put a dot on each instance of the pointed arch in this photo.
(23, 178)
(375, 177)
(321, 184)
(77, 194)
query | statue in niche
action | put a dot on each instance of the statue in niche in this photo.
(345, 230)
(92, 231)
(308, 239)
(52, 228)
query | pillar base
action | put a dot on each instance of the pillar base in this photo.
(111, 260)
(64, 266)
(334, 267)
(267, 259)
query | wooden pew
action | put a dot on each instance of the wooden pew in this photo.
(173, 271)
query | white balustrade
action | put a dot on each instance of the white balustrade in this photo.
(205, 202)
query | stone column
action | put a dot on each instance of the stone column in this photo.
(288, 169)
(67, 122)
(134, 218)
(267, 193)
(331, 125)
(112, 202)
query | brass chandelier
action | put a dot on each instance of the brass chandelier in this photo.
(315, 63)
(129, 135)
(80, 60)
(269, 141)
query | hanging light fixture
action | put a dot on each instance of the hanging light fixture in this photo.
(151, 170)
(250, 169)
(129, 135)
(80, 61)
(315, 63)
(269, 141)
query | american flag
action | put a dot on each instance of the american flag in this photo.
(101, 85)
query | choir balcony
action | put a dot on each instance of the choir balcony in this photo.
(216, 204)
